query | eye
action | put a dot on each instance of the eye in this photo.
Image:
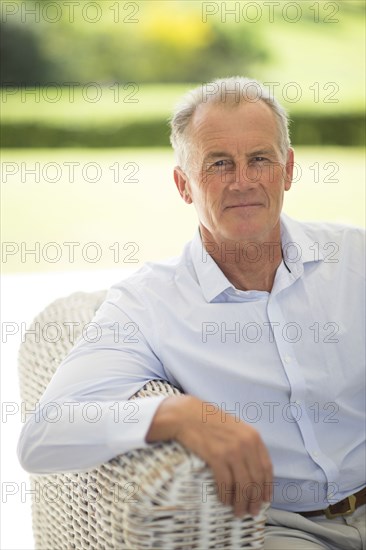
(226, 164)
(260, 159)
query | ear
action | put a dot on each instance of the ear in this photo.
(289, 169)
(182, 183)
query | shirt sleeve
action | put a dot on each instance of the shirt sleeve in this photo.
(84, 418)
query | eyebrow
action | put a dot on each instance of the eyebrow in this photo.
(215, 155)
(260, 152)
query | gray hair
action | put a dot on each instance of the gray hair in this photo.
(233, 90)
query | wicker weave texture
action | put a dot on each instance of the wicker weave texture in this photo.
(159, 497)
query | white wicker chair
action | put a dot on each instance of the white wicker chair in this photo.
(159, 497)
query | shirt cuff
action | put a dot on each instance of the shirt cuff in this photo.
(132, 422)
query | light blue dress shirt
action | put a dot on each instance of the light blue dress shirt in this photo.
(290, 362)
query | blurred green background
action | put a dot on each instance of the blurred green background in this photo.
(86, 91)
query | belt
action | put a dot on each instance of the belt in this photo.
(342, 508)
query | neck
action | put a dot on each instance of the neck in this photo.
(247, 265)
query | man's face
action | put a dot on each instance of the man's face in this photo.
(238, 177)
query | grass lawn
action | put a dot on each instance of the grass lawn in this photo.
(137, 214)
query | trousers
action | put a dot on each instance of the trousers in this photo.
(291, 531)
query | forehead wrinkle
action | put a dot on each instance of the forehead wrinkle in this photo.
(266, 150)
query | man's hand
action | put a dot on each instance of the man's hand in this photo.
(233, 449)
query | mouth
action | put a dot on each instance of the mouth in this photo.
(245, 205)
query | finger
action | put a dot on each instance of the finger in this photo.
(225, 483)
(268, 474)
(253, 492)
(260, 473)
(241, 477)
(268, 483)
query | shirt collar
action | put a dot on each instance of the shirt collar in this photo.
(297, 248)
(210, 277)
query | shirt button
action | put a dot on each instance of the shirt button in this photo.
(287, 358)
(315, 453)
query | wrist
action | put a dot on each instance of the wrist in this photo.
(167, 419)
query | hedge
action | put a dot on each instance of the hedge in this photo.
(306, 129)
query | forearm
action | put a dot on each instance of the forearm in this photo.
(95, 420)
(85, 435)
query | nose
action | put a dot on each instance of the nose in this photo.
(244, 177)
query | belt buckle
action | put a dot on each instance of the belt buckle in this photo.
(351, 509)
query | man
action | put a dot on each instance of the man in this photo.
(261, 316)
